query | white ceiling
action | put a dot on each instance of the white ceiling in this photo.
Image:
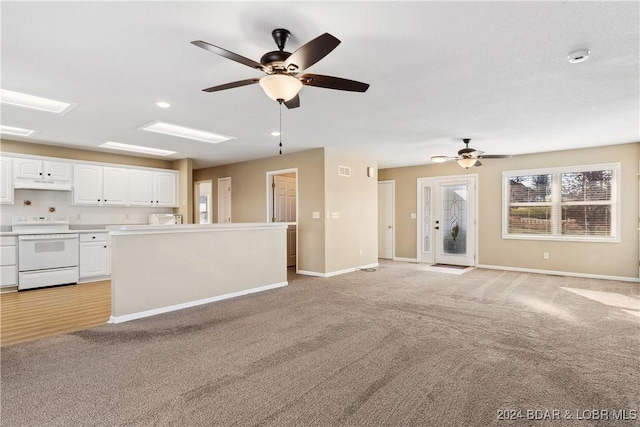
(496, 72)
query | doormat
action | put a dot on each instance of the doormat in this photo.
(445, 268)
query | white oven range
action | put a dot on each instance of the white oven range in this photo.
(47, 251)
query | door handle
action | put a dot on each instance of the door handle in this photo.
(390, 227)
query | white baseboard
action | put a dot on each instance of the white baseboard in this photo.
(559, 273)
(147, 313)
(397, 258)
(337, 273)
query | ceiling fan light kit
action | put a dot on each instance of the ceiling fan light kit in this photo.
(280, 87)
(467, 162)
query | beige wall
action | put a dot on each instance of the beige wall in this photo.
(249, 197)
(11, 146)
(608, 259)
(352, 238)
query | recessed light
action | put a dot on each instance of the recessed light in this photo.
(185, 132)
(137, 148)
(23, 100)
(579, 56)
(275, 133)
(10, 130)
(163, 104)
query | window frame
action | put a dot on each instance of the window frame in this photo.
(556, 203)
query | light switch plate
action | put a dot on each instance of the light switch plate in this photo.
(315, 215)
(335, 215)
(413, 216)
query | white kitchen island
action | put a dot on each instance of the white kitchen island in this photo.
(157, 269)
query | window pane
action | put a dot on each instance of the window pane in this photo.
(586, 186)
(586, 220)
(530, 220)
(530, 188)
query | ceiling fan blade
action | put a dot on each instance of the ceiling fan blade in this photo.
(293, 102)
(496, 156)
(229, 55)
(477, 164)
(329, 82)
(312, 52)
(231, 85)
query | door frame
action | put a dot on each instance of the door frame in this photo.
(433, 181)
(226, 178)
(393, 215)
(269, 204)
(196, 201)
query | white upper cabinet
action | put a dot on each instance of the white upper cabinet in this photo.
(166, 189)
(6, 180)
(97, 185)
(151, 188)
(115, 186)
(87, 184)
(42, 169)
(141, 188)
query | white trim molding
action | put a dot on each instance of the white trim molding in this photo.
(560, 273)
(337, 273)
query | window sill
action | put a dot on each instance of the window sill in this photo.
(582, 239)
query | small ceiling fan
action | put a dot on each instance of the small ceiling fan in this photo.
(282, 82)
(469, 157)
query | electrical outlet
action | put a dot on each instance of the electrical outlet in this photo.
(545, 255)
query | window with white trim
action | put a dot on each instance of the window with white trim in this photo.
(569, 203)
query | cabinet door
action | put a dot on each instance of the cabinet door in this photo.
(141, 188)
(57, 171)
(166, 189)
(6, 180)
(94, 259)
(27, 168)
(115, 188)
(87, 184)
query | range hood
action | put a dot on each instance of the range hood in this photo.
(41, 184)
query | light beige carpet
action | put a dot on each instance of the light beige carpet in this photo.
(393, 347)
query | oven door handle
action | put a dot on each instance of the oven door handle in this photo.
(52, 237)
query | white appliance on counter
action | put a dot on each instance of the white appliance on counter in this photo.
(164, 219)
(47, 251)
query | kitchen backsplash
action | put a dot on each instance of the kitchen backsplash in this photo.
(41, 201)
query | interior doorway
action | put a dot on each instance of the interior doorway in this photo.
(386, 203)
(224, 199)
(203, 192)
(447, 209)
(282, 206)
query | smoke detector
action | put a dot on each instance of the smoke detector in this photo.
(579, 56)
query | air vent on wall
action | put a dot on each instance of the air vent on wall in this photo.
(344, 171)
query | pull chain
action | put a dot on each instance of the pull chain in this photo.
(280, 136)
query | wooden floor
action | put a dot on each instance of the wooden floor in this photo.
(39, 313)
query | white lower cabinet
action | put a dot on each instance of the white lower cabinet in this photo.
(95, 255)
(8, 261)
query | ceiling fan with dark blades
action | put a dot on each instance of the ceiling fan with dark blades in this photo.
(469, 157)
(282, 82)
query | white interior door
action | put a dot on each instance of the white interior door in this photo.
(285, 198)
(385, 219)
(447, 223)
(224, 199)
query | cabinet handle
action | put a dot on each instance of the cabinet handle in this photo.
(48, 174)
(93, 237)
(40, 173)
(98, 199)
(157, 201)
(105, 246)
(105, 200)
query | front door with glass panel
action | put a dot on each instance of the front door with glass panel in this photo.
(446, 223)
